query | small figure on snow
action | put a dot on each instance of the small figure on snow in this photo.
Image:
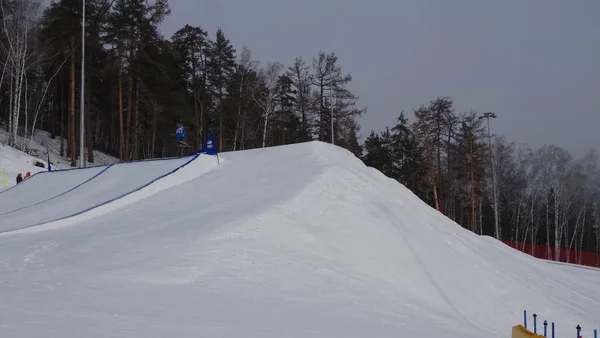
(19, 178)
(27, 175)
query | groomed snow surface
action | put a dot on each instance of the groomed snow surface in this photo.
(293, 241)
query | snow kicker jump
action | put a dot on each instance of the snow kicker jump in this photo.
(53, 196)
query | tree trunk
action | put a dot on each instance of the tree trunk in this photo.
(62, 117)
(136, 132)
(429, 154)
(243, 133)
(154, 118)
(267, 114)
(11, 141)
(121, 131)
(54, 110)
(322, 122)
(220, 145)
(112, 135)
(239, 112)
(480, 216)
(557, 233)
(548, 250)
(439, 156)
(580, 247)
(473, 213)
(88, 126)
(129, 107)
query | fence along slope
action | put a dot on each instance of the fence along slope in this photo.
(115, 182)
(44, 186)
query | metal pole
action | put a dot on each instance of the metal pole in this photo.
(495, 197)
(82, 94)
(495, 190)
(331, 108)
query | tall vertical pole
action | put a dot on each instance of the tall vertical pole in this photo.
(495, 190)
(82, 93)
(331, 85)
(495, 196)
(331, 109)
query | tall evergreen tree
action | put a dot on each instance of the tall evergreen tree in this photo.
(409, 166)
(221, 65)
(473, 150)
(301, 80)
(378, 153)
(192, 44)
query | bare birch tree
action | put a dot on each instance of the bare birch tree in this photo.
(19, 21)
(265, 98)
(244, 68)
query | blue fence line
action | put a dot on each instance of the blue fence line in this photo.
(192, 158)
(577, 328)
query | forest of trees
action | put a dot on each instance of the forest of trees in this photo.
(139, 85)
(544, 196)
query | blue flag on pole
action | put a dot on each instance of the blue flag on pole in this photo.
(209, 147)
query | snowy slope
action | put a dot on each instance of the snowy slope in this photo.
(44, 186)
(88, 188)
(14, 161)
(294, 241)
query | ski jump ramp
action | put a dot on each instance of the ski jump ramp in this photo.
(52, 196)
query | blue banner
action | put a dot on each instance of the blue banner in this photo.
(209, 147)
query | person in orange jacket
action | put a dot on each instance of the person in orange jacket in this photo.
(27, 175)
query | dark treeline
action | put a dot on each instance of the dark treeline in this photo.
(139, 85)
(544, 195)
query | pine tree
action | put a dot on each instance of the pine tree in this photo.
(61, 29)
(443, 115)
(426, 129)
(301, 81)
(192, 44)
(409, 167)
(131, 21)
(221, 66)
(330, 82)
(472, 149)
(164, 96)
(284, 123)
(378, 153)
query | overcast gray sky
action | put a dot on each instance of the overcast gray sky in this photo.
(533, 62)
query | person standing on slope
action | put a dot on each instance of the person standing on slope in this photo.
(19, 178)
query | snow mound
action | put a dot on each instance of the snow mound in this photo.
(294, 241)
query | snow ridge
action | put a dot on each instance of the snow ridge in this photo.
(301, 240)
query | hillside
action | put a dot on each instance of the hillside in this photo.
(15, 160)
(293, 241)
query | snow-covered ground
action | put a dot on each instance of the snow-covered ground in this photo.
(14, 160)
(294, 241)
